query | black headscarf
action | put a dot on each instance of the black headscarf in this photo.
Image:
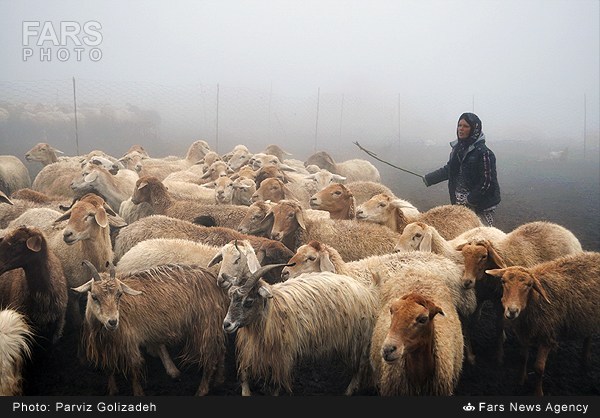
(475, 123)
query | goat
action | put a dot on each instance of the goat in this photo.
(308, 316)
(173, 304)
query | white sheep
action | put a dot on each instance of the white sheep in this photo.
(167, 305)
(16, 338)
(449, 220)
(309, 316)
(354, 170)
(551, 302)
(417, 343)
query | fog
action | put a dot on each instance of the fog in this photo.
(308, 75)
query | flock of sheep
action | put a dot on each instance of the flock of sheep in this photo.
(292, 259)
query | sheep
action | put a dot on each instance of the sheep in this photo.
(353, 239)
(162, 167)
(32, 280)
(42, 218)
(364, 190)
(237, 258)
(36, 197)
(354, 169)
(276, 150)
(150, 190)
(166, 305)
(309, 316)
(318, 257)
(449, 220)
(275, 190)
(243, 189)
(526, 245)
(86, 236)
(16, 337)
(418, 236)
(156, 251)
(114, 189)
(335, 199)
(16, 207)
(550, 302)
(13, 174)
(258, 221)
(160, 226)
(417, 344)
(43, 153)
(5, 199)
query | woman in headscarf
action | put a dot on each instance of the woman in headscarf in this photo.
(470, 171)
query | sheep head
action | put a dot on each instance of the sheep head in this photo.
(517, 285)
(479, 255)
(309, 258)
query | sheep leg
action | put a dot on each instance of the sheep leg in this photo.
(540, 366)
(168, 364)
(244, 382)
(353, 385)
(207, 376)
(135, 381)
(466, 328)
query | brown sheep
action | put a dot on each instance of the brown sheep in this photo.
(32, 281)
(353, 239)
(335, 199)
(551, 302)
(526, 245)
(167, 305)
(354, 170)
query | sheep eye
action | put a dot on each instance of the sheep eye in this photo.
(248, 302)
(418, 235)
(311, 258)
(381, 205)
(337, 193)
(421, 319)
(237, 261)
(95, 298)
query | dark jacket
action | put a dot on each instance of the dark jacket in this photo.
(479, 168)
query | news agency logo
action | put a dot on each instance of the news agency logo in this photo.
(468, 407)
(65, 41)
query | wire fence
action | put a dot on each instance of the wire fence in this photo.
(166, 118)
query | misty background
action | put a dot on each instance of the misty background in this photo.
(309, 76)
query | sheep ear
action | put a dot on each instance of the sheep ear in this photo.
(300, 219)
(495, 272)
(434, 310)
(209, 185)
(338, 178)
(86, 287)
(460, 246)
(400, 220)
(494, 256)
(34, 243)
(427, 241)
(91, 176)
(218, 257)
(352, 211)
(326, 264)
(101, 218)
(56, 150)
(142, 185)
(537, 286)
(253, 263)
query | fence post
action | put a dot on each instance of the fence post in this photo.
(217, 126)
(317, 118)
(75, 108)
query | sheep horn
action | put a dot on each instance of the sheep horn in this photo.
(92, 270)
